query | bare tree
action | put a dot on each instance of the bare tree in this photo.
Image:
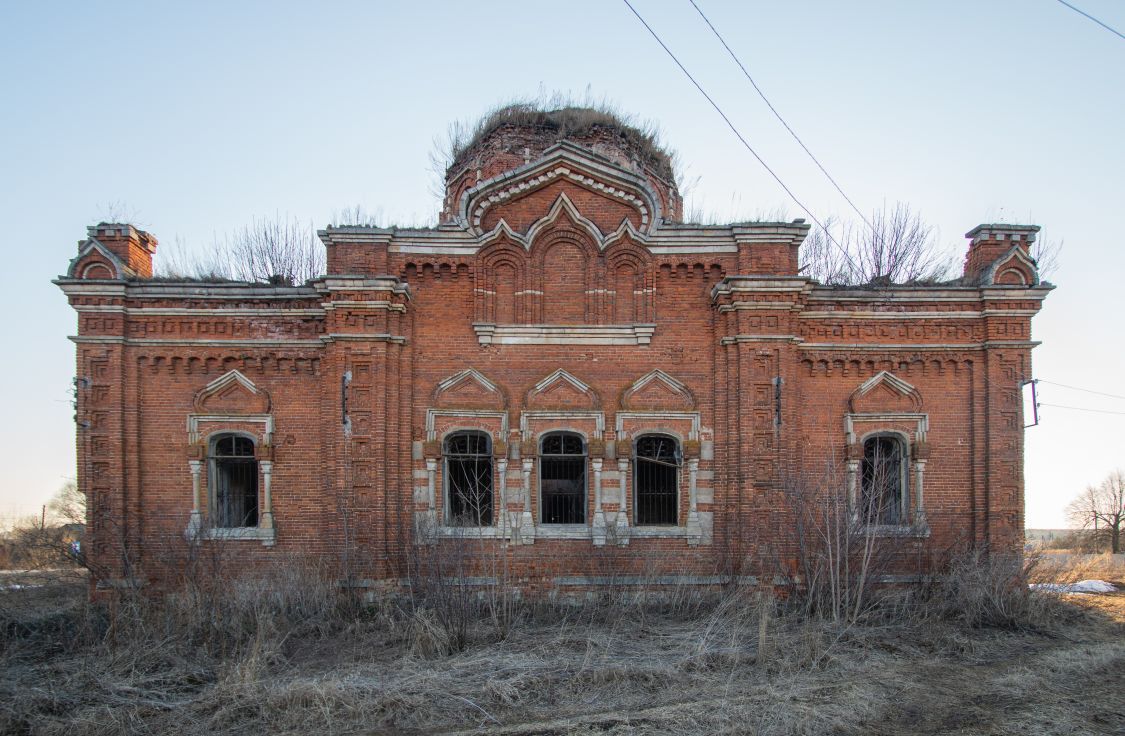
(1101, 508)
(278, 251)
(898, 247)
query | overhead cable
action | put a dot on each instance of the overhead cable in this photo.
(780, 119)
(1114, 31)
(741, 138)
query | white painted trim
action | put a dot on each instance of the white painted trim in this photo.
(562, 375)
(922, 423)
(655, 416)
(194, 420)
(634, 334)
(433, 414)
(537, 415)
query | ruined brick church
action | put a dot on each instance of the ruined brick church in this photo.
(561, 366)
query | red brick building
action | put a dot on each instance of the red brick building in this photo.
(561, 366)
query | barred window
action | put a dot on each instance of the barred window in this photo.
(468, 478)
(234, 482)
(656, 479)
(562, 479)
(883, 498)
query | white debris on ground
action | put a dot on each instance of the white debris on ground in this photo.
(1082, 586)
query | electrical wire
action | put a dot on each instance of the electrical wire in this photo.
(740, 137)
(780, 119)
(1079, 408)
(1084, 390)
(1087, 15)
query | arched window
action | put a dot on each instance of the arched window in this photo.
(468, 478)
(656, 480)
(883, 497)
(562, 479)
(234, 482)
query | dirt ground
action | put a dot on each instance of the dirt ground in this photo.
(628, 669)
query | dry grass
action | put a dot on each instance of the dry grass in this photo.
(291, 655)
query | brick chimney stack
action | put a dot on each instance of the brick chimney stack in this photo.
(134, 247)
(989, 243)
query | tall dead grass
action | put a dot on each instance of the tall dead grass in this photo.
(288, 651)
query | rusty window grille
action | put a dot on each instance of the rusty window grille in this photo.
(883, 497)
(234, 482)
(562, 479)
(468, 478)
(656, 479)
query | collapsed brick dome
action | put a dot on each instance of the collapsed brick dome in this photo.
(519, 134)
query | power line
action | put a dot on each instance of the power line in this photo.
(1084, 390)
(780, 119)
(740, 137)
(1087, 15)
(1079, 408)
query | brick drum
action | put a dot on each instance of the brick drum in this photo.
(560, 292)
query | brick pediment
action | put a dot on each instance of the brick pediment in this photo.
(657, 390)
(561, 390)
(885, 393)
(468, 389)
(232, 394)
(605, 193)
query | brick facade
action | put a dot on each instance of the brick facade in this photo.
(560, 293)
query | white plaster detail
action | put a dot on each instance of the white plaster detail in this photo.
(632, 334)
(433, 414)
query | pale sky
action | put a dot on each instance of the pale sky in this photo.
(196, 118)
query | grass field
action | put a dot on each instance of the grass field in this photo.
(302, 661)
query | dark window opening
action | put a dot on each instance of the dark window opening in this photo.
(234, 471)
(468, 478)
(883, 496)
(656, 478)
(562, 479)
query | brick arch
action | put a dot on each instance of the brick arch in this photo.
(501, 283)
(565, 265)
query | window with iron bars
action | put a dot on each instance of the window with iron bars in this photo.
(468, 478)
(562, 479)
(656, 480)
(234, 482)
(883, 488)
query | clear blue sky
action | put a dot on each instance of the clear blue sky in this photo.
(198, 117)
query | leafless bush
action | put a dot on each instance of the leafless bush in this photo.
(990, 590)
(898, 247)
(278, 250)
(841, 556)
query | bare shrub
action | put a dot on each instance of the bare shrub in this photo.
(990, 589)
(897, 248)
(278, 250)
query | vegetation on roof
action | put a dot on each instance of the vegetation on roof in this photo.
(563, 118)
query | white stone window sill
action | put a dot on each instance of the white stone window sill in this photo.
(468, 532)
(563, 531)
(658, 531)
(253, 533)
(920, 530)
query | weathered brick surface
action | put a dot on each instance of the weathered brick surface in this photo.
(352, 381)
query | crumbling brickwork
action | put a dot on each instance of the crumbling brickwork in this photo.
(561, 295)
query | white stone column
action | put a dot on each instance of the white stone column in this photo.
(852, 479)
(527, 524)
(266, 520)
(694, 530)
(599, 514)
(195, 521)
(431, 477)
(502, 520)
(918, 513)
(623, 505)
